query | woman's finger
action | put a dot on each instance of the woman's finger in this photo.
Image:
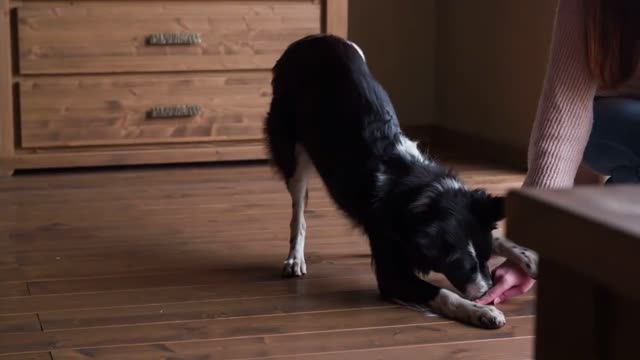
(504, 283)
(515, 291)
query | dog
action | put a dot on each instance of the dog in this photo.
(328, 113)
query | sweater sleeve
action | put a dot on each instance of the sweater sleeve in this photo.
(565, 110)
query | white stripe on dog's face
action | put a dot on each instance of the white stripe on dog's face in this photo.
(479, 284)
(472, 251)
(477, 287)
(359, 50)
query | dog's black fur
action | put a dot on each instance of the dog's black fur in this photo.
(418, 217)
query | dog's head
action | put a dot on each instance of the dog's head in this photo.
(456, 238)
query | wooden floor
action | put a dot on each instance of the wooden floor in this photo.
(185, 264)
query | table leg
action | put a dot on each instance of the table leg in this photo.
(566, 305)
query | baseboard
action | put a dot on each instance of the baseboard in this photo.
(459, 144)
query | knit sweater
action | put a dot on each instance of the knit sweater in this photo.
(565, 111)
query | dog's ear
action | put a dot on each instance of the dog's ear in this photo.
(490, 209)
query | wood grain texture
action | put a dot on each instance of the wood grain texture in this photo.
(221, 309)
(7, 134)
(209, 310)
(293, 344)
(31, 356)
(11, 289)
(252, 326)
(26, 323)
(185, 263)
(170, 295)
(494, 349)
(68, 112)
(97, 37)
(131, 281)
(82, 37)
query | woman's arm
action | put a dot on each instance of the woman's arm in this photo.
(565, 111)
(561, 129)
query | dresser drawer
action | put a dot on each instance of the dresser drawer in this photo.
(140, 36)
(134, 110)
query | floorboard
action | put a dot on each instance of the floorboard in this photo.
(302, 343)
(515, 348)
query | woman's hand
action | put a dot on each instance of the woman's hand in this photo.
(509, 280)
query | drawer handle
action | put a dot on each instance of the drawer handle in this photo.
(164, 39)
(178, 111)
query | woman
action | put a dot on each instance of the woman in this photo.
(589, 111)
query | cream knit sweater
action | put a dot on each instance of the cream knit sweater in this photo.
(565, 111)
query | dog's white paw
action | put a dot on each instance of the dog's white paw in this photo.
(487, 317)
(449, 304)
(294, 267)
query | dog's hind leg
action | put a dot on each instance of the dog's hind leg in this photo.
(297, 185)
(293, 164)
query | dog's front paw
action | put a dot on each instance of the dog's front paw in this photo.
(294, 267)
(525, 258)
(531, 263)
(487, 317)
(450, 305)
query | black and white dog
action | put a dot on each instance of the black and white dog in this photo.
(329, 113)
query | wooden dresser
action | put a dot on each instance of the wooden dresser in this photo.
(95, 83)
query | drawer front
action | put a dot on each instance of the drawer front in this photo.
(109, 37)
(134, 110)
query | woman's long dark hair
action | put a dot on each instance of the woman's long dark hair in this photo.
(613, 39)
